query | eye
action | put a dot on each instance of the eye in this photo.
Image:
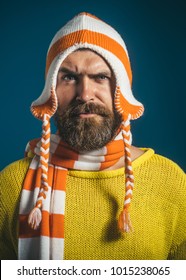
(101, 78)
(69, 77)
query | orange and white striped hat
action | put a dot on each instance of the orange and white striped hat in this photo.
(87, 31)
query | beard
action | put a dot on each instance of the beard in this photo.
(87, 134)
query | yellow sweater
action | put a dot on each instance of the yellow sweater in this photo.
(93, 203)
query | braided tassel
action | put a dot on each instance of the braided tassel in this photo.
(35, 215)
(124, 223)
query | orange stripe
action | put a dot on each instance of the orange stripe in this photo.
(90, 37)
(105, 165)
(56, 230)
(52, 225)
(118, 146)
(29, 182)
(33, 178)
(66, 151)
(116, 156)
(25, 230)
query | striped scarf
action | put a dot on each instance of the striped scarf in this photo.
(47, 241)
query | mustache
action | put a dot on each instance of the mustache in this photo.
(76, 108)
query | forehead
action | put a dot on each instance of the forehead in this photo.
(86, 59)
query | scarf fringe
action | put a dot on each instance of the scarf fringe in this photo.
(34, 218)
(124, 222)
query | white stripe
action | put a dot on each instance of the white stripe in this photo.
(129, 167)
(46, 201)
(34, 163)
(44, 247)
(57, 248)
(45, 122)
(91, 24)
(127, 133)
(44, 176)
(127, 149)
(40, 248)
(119, 137)
(53, 146)
(127, 201)
(59, 167)
(102, 151)
(129, 159)
(45, 141)
(46, 132)
(55, 138)
(86, 166)
(28, 248)
(58, 202)
(130, 176)
(44, 151)
(89, 158)
(43, 159)
(44, 168)
(127, 122)
(126, 141)
(128, 183)
(128, 192)
(28, 200)
(27, 149)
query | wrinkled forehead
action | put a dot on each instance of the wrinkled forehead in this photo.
(85, 59)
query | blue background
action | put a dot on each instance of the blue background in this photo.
(155, 35)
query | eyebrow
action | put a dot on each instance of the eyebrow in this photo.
(68, 71)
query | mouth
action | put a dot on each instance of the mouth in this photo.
(86, 115)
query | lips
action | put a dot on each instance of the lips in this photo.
(87, 110)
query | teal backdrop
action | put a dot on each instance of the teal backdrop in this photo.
(155, 35)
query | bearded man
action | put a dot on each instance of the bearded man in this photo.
(86, 192)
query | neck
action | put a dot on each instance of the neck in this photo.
(135, 153)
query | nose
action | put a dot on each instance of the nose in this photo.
(85, 91)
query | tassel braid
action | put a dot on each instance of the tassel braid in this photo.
(124, 222)
(35, 216)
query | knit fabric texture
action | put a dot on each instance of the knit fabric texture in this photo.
(158, 211)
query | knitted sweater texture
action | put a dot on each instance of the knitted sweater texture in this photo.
(93, 203)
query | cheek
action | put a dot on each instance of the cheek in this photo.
(108, 99)
(64, 97)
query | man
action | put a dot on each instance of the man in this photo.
(86, 192)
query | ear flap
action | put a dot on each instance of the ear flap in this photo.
(48, 108)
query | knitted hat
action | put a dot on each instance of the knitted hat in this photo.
(87, 31)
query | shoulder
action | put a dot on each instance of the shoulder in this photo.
(19, 165)
(159, 170)
(13, 174)
(167, 165)
(162, 171)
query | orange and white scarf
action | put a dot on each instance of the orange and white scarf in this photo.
(47, 242)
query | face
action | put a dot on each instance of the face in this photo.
(85, 89)
(85, 76)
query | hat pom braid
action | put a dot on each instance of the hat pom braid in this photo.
(35, 215)
(124, 223)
